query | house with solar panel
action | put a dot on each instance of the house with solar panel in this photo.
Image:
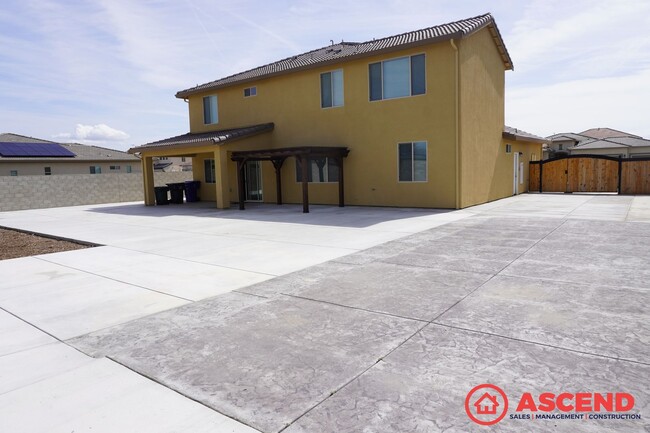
(413, 120)
(27, 156)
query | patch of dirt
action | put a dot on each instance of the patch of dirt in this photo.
(15, 244)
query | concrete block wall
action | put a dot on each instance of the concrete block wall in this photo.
(161, 178)
(38, 192)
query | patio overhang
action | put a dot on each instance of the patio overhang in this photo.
(189, 140)
(278, 155)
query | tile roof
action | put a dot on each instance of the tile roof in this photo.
(216, 137)
(517, 134)
(82, 152)
(613, 143)
(347, 50)
(606, 133)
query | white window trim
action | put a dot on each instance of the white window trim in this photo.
(426, 171)
(320, 78)
(426, 88)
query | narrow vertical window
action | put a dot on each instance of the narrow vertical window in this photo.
(331, 89)
(210, 110)
(418, 80)
(375, 81)
(48, 171)
(208, 166)
(129, 169)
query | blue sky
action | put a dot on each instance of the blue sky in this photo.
(105, 71)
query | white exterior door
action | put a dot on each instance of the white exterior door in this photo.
(515, 169)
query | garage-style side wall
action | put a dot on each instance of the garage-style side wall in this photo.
(528, 151)
(371, 130)
(482, 85)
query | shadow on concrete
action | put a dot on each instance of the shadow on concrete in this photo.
(325, 215)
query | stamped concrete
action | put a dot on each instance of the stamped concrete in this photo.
(538, 293)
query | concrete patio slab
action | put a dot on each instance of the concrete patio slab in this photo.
(266, 364)
(422, 386)
(327, 345)
(81, 302)
(404, 291)
(102, 396)
(157, 273)
(28, 367)
(570, 316)
(18, 335)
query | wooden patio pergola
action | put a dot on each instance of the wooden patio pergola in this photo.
(277, 158)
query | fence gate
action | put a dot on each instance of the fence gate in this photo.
(591, 173)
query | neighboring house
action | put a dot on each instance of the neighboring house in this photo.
(413, 120)
(172, 164)
(27, 156)
(598, 141)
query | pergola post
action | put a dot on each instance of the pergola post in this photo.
(241, 165)
(305, 182)
(148, 181)
(341, 182)
(277, 164)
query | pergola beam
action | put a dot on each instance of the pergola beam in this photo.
(278, 156)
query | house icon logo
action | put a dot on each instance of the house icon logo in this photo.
(486, 404)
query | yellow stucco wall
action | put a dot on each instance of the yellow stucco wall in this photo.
(481, 120)
(371, 130)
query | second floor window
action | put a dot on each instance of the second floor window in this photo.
(250, 91)
(397, 78)
(210, 110)
(331, 89)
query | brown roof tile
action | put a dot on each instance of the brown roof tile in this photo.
(348, 50)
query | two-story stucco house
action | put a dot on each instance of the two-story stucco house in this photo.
(415, 119)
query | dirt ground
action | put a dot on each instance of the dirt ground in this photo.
(15, 244)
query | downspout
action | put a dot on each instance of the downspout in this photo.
(457, 115)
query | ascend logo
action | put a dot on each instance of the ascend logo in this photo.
(487, 404)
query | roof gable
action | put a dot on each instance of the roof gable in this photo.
(348, 50)
(606, 133)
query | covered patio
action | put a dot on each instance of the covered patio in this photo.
(277, 158)
(217, 155)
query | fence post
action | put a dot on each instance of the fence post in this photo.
(541, 167)
(620, 172)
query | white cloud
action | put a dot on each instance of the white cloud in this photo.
(94, 133)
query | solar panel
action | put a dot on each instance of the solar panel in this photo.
(12, 149)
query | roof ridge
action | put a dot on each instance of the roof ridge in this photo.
(348, 50)
(27, 136)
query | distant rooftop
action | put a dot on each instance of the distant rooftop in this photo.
(347, 50)
(606, 133)
(82, 152)
(518, 134)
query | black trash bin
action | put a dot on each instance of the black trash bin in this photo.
(176, 190)
(192, 190)
(161, 195)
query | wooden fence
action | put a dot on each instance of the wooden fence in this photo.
(591, 173)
